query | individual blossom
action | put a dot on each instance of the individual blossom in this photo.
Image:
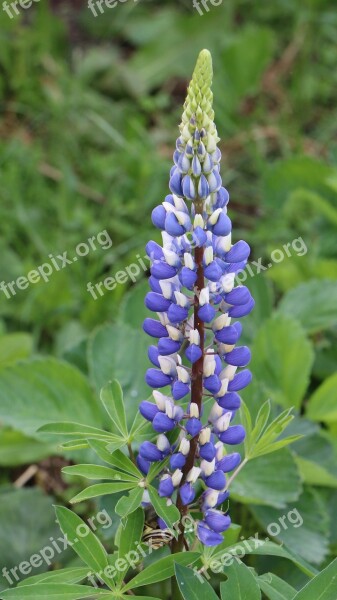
(195, 350)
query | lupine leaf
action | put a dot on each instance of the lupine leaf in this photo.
(130, 536)
(54, 591)
(192, 586)
(275, 588)
(76, 429)
(170, 514)
(322, 587)
(68, 575)
(160, 570)
(97, 472)
(128, 504)
(241, 583)
(102, 489)
(112, 399)
(88, 547)
(116, 458)
(262, 438)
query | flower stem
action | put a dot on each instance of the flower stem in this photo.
(196, 385)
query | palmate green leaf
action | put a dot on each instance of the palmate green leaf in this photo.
(84, 542)
(263, 438)
(141, 429)
(258, 547)
(112, 399)
(262, 479)
(160, 570)
(241, 583)
(68, 575)
(322, 587)
(98, 472)
(170, 514)
(193, 587)
(65, 428)
(156, 468)
(74, 445)
(275, 588)
(282, 360)
(130, 536)
(102, 489)
(116, 458)
(127, 504)
(54, 591)
(322, 405)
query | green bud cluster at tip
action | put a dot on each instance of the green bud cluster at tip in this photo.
(198, 112)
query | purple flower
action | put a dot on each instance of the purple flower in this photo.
(193, 290)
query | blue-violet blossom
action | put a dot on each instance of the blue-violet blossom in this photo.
(195, 332)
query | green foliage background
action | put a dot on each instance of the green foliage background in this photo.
(89, 114)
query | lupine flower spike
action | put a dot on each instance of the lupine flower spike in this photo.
(193, 292)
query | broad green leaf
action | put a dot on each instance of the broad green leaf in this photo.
(313, 304)
(128, 504)
(275, 588)
(54, 591)
(83, 540)
(120, 352)
(282, 360)
(192, 585)
(316, 459)
(260, 547)
(170, 514)
(160, 570)
(322, 587)
(241, 583)
(116, 458)
(14, 347)
(22, 534)
(303, 526)
(38, 391)
(130, 536)
(112, 399)
(68, 575)
(132, 309)
(18, 449)
(261, 481)
(322, 405)
(101, 489)
(97, 472)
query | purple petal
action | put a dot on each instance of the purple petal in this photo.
(238, 252)
(207, 536)
(156, 379)
(238, 357)
(154, 328)
(233, 435)
(229, 462)
(157, 302)
(217, 521)
(216, 481)
(148, 410)
(240, 381)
